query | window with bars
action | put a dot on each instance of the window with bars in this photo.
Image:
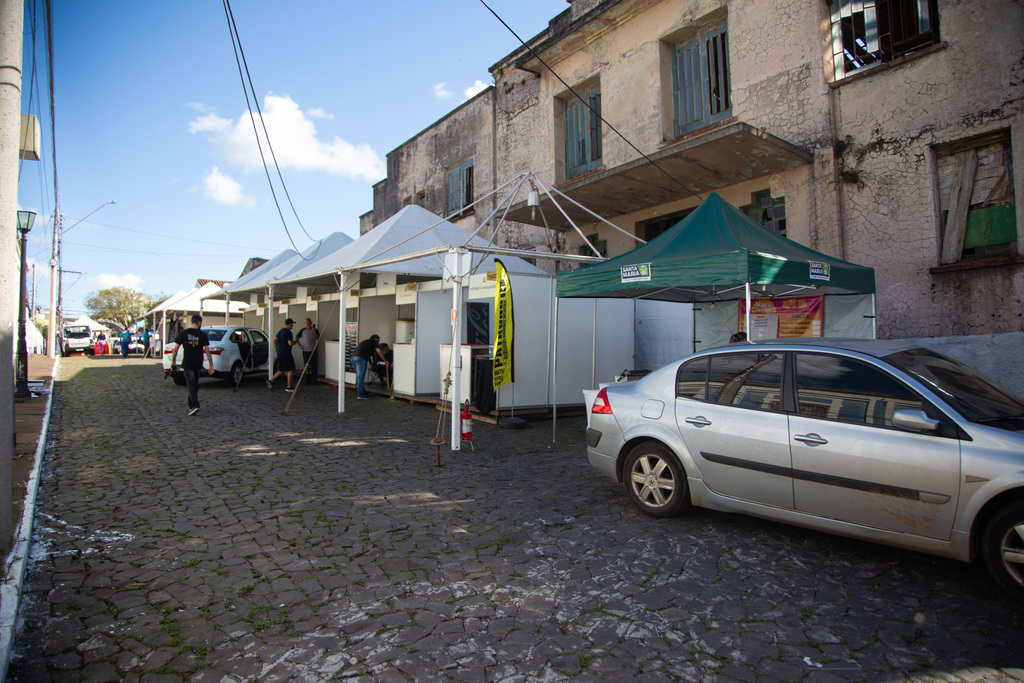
(700, 81)
(583, 133)
(460, 186)
(870, 32)
(768, 211)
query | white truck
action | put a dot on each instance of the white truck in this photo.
(76, 339)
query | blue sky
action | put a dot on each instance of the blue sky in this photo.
(150, 113)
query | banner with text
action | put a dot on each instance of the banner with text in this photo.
(780, 318)
(503, 373)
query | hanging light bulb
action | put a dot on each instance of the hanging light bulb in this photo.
(533, 201)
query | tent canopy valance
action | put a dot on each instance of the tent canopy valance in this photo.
(712, 254)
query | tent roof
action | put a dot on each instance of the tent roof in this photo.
(162, 306)
(711, 254)
(256, 278)
(93, 325)
(194, 301)
(410, 231)
(282, 268)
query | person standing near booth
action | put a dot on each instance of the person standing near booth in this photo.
(367, 352)
(307, 339)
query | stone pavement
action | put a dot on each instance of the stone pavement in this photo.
(242, 544)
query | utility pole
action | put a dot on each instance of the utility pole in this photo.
(12, 21)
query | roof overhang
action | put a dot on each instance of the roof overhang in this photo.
(702, 163)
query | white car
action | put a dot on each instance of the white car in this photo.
(237, 351)
(881, 441)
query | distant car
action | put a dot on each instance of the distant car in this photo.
(237, 351)
(881, 441)
(76, 339)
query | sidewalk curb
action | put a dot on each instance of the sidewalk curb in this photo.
(17, 559)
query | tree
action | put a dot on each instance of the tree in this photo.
(120, 305)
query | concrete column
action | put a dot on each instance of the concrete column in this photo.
(11, 23)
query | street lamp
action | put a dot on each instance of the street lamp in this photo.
(25, 220)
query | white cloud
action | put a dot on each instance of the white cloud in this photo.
(320, 113)
(441, 92)
(107, 280)
(224, 189)
(197, 106)
(475, 89)
(210, 123)
(295, 142)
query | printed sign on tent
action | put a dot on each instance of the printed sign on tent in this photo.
(798, 316)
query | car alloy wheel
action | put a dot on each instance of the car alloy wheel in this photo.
(655, 481)
(1002, 548)
(236, 374)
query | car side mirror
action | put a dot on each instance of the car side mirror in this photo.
(914, 420)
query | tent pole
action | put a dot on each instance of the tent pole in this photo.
(342, 316)
(747, 329)
(270, 332)
(593, 345)
(554, 370)
(456, 260)
(874, 317)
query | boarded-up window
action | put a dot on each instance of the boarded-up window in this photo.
(977, 206)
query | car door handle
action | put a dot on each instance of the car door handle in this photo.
(699, 421)
(811, 439)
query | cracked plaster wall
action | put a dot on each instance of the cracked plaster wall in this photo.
(969, 86)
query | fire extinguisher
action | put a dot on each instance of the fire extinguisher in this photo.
(467, 423)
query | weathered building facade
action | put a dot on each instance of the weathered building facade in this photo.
(884, 132)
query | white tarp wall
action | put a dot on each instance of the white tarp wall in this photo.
(595, 343)
(849, 316)
(664, 333)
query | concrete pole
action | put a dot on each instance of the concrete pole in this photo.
(11, 26)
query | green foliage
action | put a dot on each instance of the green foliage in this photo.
(120, 305)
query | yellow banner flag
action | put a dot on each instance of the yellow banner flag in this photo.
(502, 328)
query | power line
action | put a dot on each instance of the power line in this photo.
(588, 105)
(243, 66)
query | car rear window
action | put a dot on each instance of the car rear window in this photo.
(746, 380)
(215, 335)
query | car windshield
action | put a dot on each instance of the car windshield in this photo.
(975, 396)
(77, 332)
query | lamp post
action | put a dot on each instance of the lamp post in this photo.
(25, 220)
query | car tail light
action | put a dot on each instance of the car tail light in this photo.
(216, 350)
(168, 350)
(601, 405)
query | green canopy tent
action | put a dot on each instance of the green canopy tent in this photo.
(717, 253)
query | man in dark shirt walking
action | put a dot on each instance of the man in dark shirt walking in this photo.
(283, 343)
(194, 343)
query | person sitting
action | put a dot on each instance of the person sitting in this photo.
(382, 365)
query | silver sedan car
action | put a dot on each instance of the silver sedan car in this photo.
(876, 440)
(236, 351)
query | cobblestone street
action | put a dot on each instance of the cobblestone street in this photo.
(242, 544)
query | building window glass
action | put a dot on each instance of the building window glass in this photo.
(460, 186)
(978, 210)
(583, 133)
(869, 32)
(768, 211)
(700, 81)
